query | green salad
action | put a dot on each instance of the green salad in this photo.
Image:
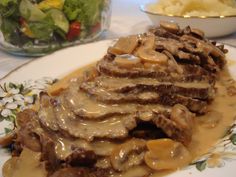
(39, 22)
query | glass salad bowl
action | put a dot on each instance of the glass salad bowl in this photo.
(38, 27)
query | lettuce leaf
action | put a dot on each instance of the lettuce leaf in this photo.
(86, 12)
(9, 28)
(5, 3)
(9, 8)
(43, 29)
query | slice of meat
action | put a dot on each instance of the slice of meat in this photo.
(190, 72)
(65, 146)
(86, 106)
(28, 125)
(200, 90)
(178, 125)
(80, 157)
(48, 153)
(113, 127)
(166, 99)
(46, 114)
(190, 44)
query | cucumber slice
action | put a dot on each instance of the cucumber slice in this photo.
(30, 11)
(59, 19)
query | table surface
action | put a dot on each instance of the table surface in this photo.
(126, 19)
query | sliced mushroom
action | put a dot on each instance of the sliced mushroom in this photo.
(166, 154)
(217, 52)
(127, 61)
(128, 154)
(124, 45)
(182, 116)
(172, 63)
(152, 56)
(198, 32)
(169, 26)
(148, 41)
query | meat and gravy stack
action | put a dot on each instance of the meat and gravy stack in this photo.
(132, 114)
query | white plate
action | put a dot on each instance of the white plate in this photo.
(62, 62)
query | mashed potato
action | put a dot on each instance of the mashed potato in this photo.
(194, 7)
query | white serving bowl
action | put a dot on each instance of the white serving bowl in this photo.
(213, 26)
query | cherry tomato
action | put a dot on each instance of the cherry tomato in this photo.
(74, 31)
(96, 28)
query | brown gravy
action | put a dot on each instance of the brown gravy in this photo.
(208, 130)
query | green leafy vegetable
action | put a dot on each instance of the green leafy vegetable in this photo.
(59, 19)
(7, 2)
(9, 28)
(86, 12)
(30, 11)
(9, 8)
(43, 29)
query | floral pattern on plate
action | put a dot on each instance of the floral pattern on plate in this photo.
(16, 97)
(224, 150)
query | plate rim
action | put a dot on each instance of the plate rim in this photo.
(102, 41)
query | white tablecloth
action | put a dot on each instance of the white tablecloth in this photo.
(126, 19)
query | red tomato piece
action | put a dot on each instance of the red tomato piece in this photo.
(74, 31)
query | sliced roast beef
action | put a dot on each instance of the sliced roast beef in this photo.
(46, 113)
(191, 44)
(166, 99)
(200, 90)
(112, 127)
(85, 105)
(178, 125)
(191, 73)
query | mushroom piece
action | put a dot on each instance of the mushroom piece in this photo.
(173, 65)
(182, 117)
(127, 61)
(152, 56)
(124, 45)
(128, 154)
(148, 41)
(198, 32)
(169, 26)
(166, 154)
